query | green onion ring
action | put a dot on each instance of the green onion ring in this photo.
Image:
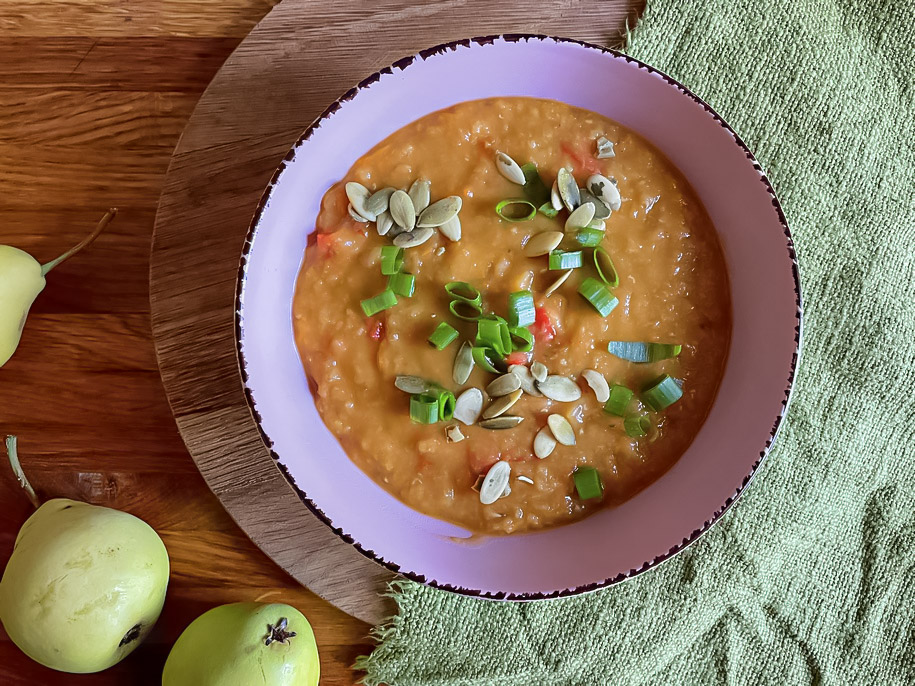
(461, 290)
(466, 310)
(522, 339)
(484, 358)
(606, 271)
(516, 201)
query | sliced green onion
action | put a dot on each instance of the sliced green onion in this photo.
(620, 396)
(484, 357)
(589, 238)
(598, 295)
(522, 339)
(493, 332)
(534, 188)
(521, 309)
(663, 351)
(463, 309)
(547, 210)
(446, 403)
(504, 210)
(605, 268)
(587, 483)
(424, 408)
(443, 336)
(661, 393)
(391, 259)
(402, 283)
(488, 334)
(560, 259)
(643, 352)
(505, 333)
(380, 302)
(637, 425)
(461, 290)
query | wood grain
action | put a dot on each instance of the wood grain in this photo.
(94, 95)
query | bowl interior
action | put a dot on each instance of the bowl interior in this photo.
(613, 543)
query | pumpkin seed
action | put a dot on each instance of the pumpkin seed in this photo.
(501, 405)
(411, 384)
(558, 282)
(527, 381)
(526, 479)
(581, 217)
(510, 169)
(379, 200)
(601, 211)
(494, 482)
(615, 199)
(402, 210)
(598, 224)
(539, 370)
(543, 243)
(453, 434)
(419, 194)
(440, 212)
(410, 239)
(598, 384)
(506, 421)
(562, 430)
(568, 189)
(451, 229)
(358, 195)
(559, 388)
(605, 190)
(544, 443)
(463, 364)
(355, 215)
(604, 148)
(395, 230)
(555, 199)
(503, 385)
(383, 223)
(468, 406)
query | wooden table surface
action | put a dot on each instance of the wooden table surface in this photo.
(93, 97)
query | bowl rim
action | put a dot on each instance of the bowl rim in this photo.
(401, 65)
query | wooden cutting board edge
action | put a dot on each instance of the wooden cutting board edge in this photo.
(277, 81)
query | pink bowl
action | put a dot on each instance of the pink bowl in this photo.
(613, 544)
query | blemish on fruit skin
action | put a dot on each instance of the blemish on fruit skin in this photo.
(82, 562)
(131, 635)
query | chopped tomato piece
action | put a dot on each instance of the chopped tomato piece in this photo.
(544, 328)
(325, 243)
(375, 328)
(584, 163)
(518, 357)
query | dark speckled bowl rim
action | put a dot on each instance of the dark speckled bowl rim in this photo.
(401, 65)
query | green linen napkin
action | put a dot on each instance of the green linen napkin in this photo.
(810, 578)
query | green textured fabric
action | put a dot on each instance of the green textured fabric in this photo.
(810, 579)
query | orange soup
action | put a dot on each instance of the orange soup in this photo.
(514, 312)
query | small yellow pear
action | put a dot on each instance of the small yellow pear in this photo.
(243, 644)
(21, 280)
(84, 585)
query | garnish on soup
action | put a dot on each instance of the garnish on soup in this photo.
(530, 332)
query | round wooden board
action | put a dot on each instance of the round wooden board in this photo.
(300, 58)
